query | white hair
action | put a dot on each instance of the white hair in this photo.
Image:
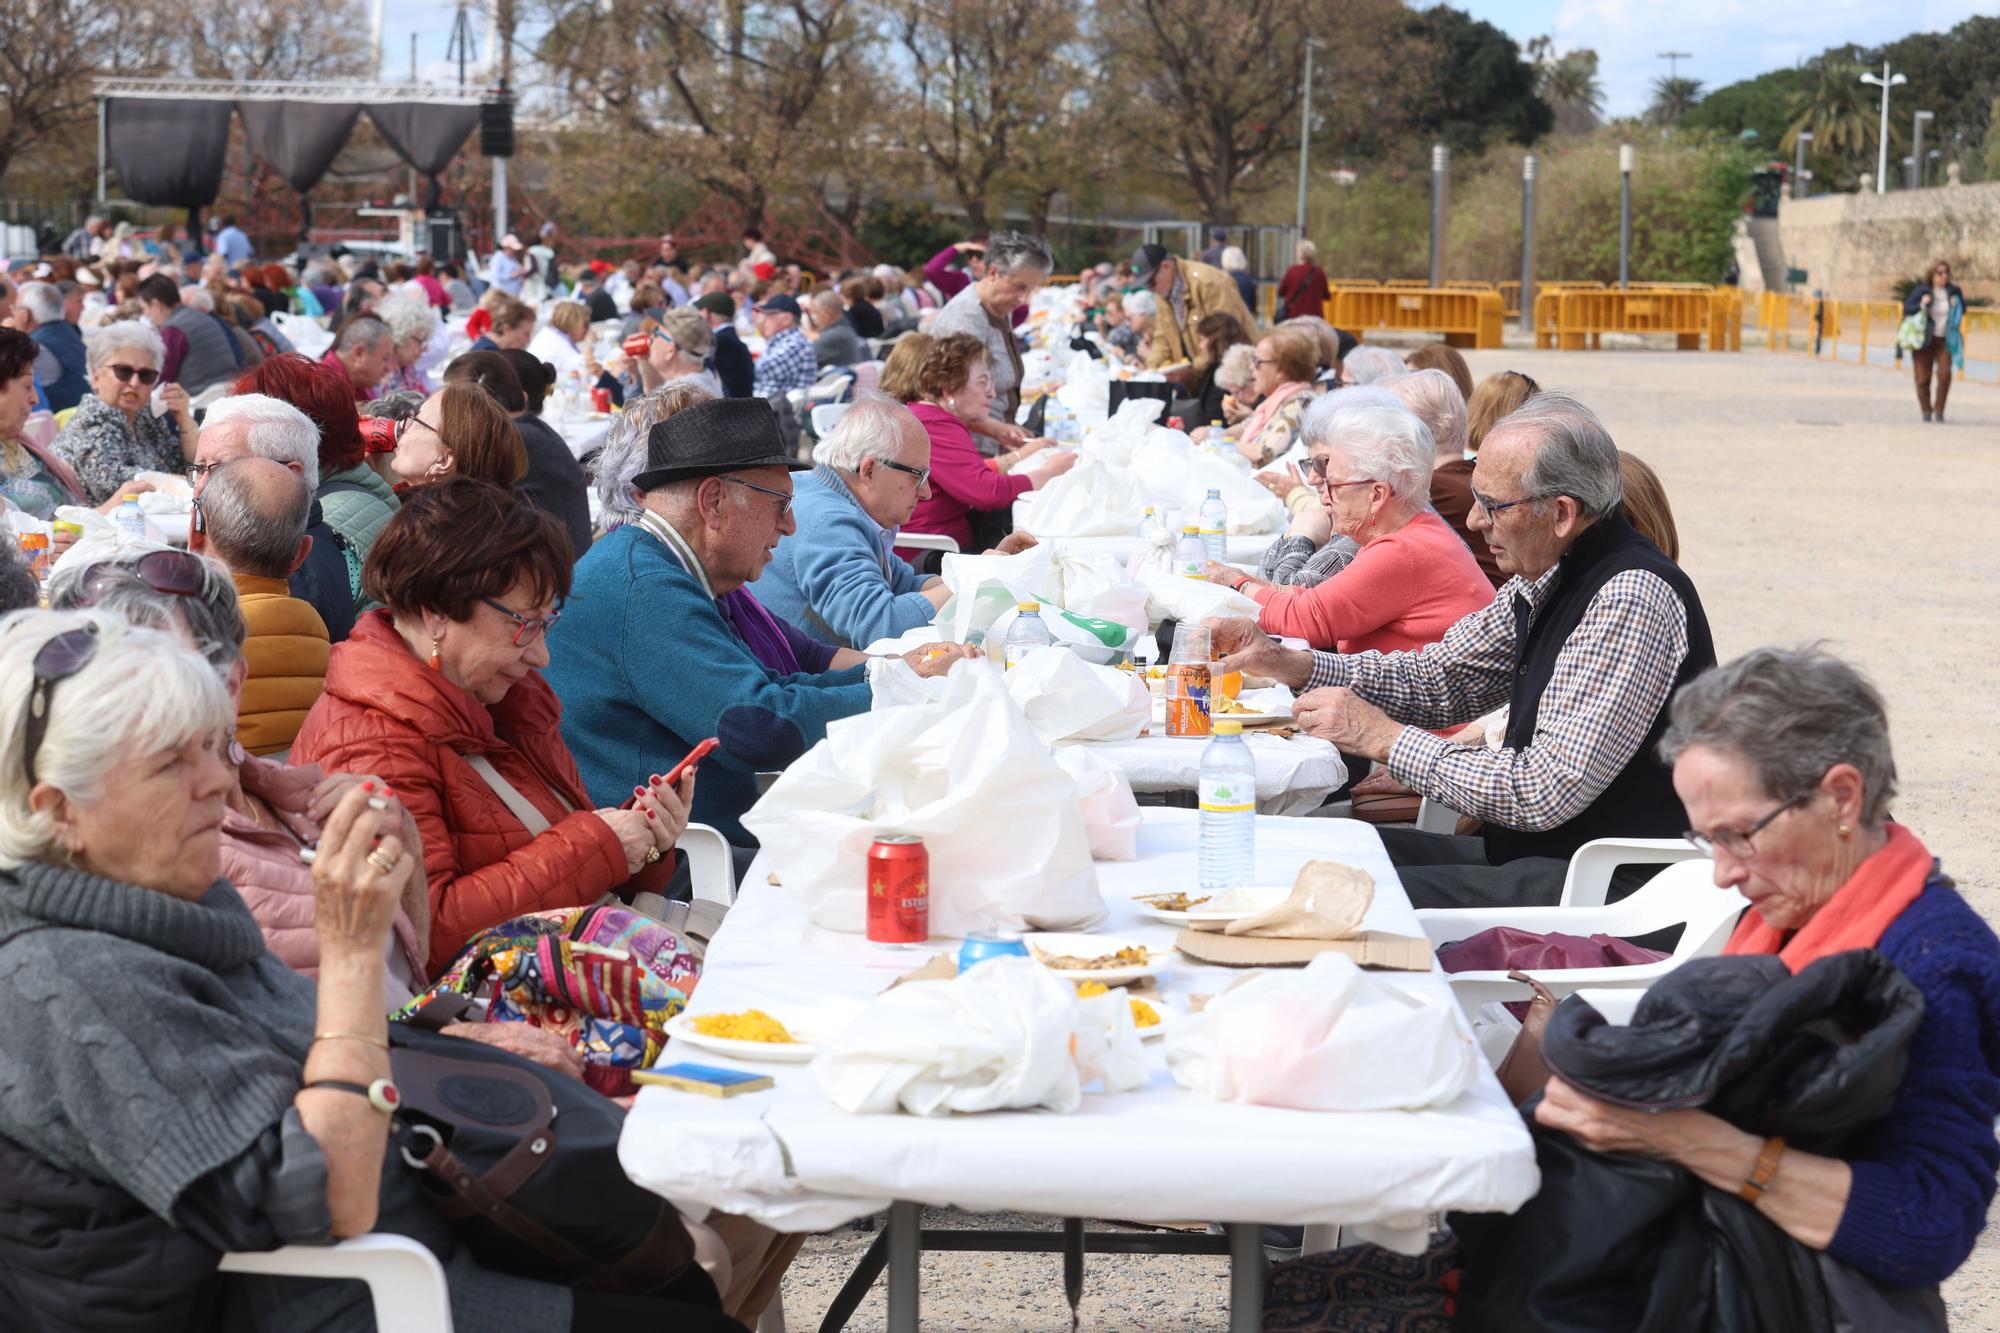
(1238, 367)
(872, 427)
(1372, 365)
(44, 302)
(127, 335)
(408, 317)
(142, 692)
(1234, 260)
(1574, 455)
(1434, 397)
(1380, 438)
(274, 429)
(623, 456)
(1140, 303)
(197, 297)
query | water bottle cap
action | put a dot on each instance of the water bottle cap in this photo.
(128, 499)
(1215, 492)
(1191, 528)
(1149, 509)
(1027, 606)
(1224, 726)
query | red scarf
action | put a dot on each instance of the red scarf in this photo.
(1878, 891)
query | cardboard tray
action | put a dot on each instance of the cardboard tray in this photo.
(1371, 948)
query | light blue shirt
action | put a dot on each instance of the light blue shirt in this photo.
(836, 578)
(505, 272)
(233, 246)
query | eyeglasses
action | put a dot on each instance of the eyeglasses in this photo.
(147, 375)
(1261, 361)
(403, 427)
(59, 659)
(1735, 842)
(196, 471)
(1316, 474)
(527, 630)
(922, 474)
(1494, 508)
(784, 500)
(173, 573)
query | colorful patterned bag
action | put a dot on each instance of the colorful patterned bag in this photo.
(604, 976)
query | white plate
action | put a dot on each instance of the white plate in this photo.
(681, 1028)
(1260, 898)
(1092, 946)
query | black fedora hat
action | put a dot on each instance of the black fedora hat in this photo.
(716, 436)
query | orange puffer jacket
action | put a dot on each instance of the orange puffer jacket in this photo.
(387, 713)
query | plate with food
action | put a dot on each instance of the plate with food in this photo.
(1253, 708)
(1102, 958)
(1149, 1014)
(750, 1034)
(1197, 908)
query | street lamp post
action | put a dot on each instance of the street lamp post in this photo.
(1625, 161)
(1885, 81)
(1440, 180)
(1917, 147)
(1799, 164)
(1528, 241)
(1306, 126)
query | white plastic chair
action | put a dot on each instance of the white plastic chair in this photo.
(1617, 1004)
(711, 869)
(1684, 894)
(825, 417)
(1436, 817)
(405, 1280)
(927, 541)
(1592, 865)
(831, 389)
(214, 393)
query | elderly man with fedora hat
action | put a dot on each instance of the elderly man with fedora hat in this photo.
(648, 662)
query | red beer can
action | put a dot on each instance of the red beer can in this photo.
(899, 890)
(638, 344)
(600, 400)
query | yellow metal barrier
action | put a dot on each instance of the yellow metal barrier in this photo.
(1572, 318)
(1465, 318)
(1863, 333)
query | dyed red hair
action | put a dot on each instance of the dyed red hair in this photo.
(319, 391)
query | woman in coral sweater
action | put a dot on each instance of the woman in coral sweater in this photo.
(1413, 578)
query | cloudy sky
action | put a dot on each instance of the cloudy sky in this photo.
(1728, 39)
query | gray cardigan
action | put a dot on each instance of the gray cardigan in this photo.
(166, 1047)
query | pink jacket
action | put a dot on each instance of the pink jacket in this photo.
(960, 479)
(264, 865)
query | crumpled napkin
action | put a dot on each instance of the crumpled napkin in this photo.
(1328, 902)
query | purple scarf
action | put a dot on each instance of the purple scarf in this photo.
(758, 629)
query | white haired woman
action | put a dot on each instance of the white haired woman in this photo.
(1237, 265)
(413, 323)
(1412, 579)
(1016, 264)
(115, 431)
(835, 575)
(1140, 309)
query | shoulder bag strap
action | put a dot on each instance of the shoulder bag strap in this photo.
(510, 796)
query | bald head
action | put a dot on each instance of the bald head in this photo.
(254, 514)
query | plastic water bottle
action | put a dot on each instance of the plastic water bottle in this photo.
(1190, 553)
(1228, 849)
(1027, 635)
(1214, 524)
(1149, 525)
(1056, 422)
(130, 522)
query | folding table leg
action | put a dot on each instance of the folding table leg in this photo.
(852, 1291)
(905, 1251)
(1246, 1277)
(1072, 1253)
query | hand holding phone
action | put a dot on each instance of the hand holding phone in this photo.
(694, 758)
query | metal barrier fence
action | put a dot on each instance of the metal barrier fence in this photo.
(1572, 318)
(1466, 318)
(1863, 333)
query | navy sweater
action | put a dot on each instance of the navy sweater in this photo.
(1924, 1174)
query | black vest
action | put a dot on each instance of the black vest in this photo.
(1640, 802)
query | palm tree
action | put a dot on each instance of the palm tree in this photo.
(1673, 97)
(1837, 108)
(1569, 84)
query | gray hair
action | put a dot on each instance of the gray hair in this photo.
(212, 618)
(44, 302)
(623, 456)
(127, 335)
(197, 297)
(871, 427)
(826, 301)
(1140, 303)
(407, 317)
(1369, 364)
(275, 430)
(362, 331)
(1434, 397)
(394, 405)
(1238, 367)
(1009, 251)
(1574, 455)
(1792, 714)
(1381, 439)
(139, 694)
(1234, 260)
(253, 530)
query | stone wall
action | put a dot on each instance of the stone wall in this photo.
(1856, 246)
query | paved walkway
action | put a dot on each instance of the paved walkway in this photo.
(1812, 504)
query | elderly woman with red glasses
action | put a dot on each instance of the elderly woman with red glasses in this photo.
(441, 696)
(116, 431)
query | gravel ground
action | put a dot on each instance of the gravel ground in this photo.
(1813, 504)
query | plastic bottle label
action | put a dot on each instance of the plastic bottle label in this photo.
(1226, 796)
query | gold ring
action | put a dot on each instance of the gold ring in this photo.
(382, 860)
(652, 855)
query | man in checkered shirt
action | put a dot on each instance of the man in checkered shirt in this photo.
(1585, 645)
(788, 361)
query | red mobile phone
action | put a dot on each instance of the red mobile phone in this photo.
(694, 757)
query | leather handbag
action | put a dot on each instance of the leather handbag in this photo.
(523, 1162)
(1523, 1073)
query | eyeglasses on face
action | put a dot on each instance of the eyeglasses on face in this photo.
(1737, 841)
(1494, 508)
(403, 427)
(526, 629)
(124, 373)
(784, 500)
(922, 474)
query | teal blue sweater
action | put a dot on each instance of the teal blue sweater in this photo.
(836, 578)
(646, 667)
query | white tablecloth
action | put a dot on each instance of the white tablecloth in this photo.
(790, 1159)
(1294, 775)
(1237, 550)
(581, 433)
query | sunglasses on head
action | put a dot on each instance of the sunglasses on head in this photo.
(147, 375)
(172, 573)
(59, 659)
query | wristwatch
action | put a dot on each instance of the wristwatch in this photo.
(381, 1094)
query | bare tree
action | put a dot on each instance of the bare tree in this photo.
(51, 50)
(275, 39)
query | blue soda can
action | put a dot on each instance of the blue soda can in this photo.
(989, 944)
